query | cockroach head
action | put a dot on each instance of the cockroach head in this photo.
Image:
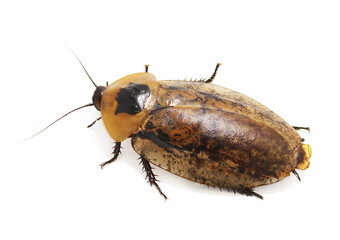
(97, 96)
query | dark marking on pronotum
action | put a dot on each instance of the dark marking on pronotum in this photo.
(131, 100)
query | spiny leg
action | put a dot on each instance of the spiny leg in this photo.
(248, 192)
(94, 122)
(214, 74)
(304, 128)
(150, 175)
(116, 152)
(242, 191)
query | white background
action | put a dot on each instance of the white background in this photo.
(285, 54)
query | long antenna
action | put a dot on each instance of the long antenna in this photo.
(87, 105)
(81, 65)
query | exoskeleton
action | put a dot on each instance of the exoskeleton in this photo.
(200, 131)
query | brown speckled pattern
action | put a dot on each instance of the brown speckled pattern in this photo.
(215, 136)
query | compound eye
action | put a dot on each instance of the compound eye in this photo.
(132, 99)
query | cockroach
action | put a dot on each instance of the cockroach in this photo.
(199, 131)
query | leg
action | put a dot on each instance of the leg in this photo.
(214, 74)
(150, 175)
(146, 67)
(299, 128)
(248, 192)
(116, 152)
(242, 191)
(94, 122)
(296, 174)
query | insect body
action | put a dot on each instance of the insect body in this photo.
(200, 131)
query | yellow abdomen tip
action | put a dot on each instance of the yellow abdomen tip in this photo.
(304, 164)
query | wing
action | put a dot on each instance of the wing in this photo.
(213, 97)
(213, 146)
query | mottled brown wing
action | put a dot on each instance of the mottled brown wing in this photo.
(214, 147)
(210, 96)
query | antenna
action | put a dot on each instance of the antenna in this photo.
(87, 105)
(81, 65)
